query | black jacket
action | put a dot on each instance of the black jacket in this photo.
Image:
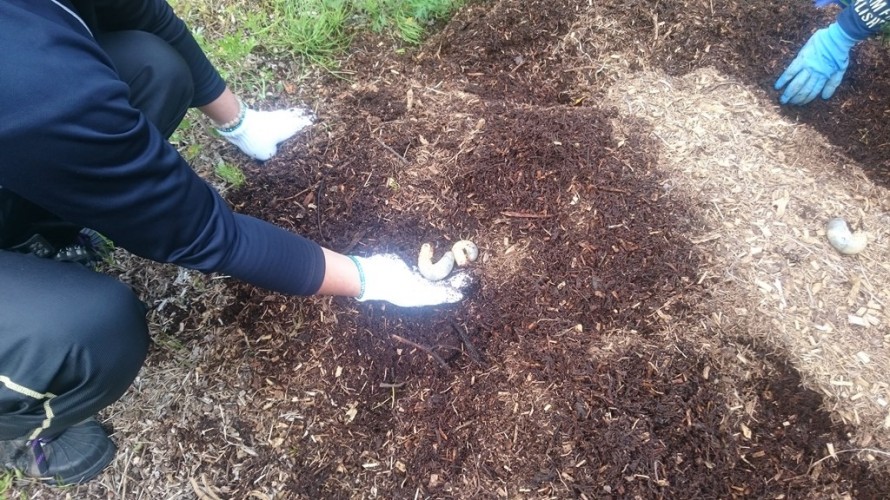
(71, 143)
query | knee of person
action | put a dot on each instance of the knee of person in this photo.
(164, 64)
(160, 80)
(115, 320)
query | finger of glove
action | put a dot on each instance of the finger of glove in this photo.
(429, 295)
(388, 266)
(460, 280)
(810, 90)
(258, 150)
(793, 69)
(832, 84)
(284, 123)
(793, 90)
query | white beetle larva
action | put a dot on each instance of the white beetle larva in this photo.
(464, 251)
(461, 253)
(842, 239)
(434, 271)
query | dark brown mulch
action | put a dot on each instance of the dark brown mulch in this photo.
(644, 417)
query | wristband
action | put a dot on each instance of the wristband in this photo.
(361, 277)
(233, 124)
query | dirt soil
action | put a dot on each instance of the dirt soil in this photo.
(628, 334)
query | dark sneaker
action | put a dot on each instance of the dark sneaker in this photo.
(89, 248)
(75, 456)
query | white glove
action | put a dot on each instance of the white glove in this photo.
(387, 277)
(260, 132)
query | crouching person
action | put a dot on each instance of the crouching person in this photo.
(89, 93)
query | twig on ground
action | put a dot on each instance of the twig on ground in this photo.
(851, 450)
(319, 193)
(387, 385)
(422, 348)
(205, 493)
(610, 190)
(525, 215)
(393, 151)
(355, 239)
(471, 349)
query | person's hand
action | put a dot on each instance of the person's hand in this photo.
(387, 277)
(818, 68)
(260, 132)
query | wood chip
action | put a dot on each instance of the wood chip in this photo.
(856, 320)
(766, 287)
(781, 204)
(854, 290)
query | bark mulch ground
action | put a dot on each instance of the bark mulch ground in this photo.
(553, 375)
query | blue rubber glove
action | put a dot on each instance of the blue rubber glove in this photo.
(819, 66)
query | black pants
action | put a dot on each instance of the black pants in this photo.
(72, 340)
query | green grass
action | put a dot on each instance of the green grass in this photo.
(6, 480)
(230, 173)
(316, 31)
(259, 46)
(5, 485)
(408, 19)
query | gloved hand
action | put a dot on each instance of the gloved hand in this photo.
(387, 277)
(819, 66)
(260, 132)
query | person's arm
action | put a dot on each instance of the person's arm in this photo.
(256, 133)
(864, 18)
(73, 145)
(819, 67)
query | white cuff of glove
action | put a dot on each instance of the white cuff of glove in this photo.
(260, 132)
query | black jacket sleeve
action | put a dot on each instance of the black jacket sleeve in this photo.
(71, 143)
(158, 18)
(863, 18)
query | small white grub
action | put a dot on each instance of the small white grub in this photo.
(461, 253)
(842, 239)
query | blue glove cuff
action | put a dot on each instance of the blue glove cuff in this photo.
(839, 36)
